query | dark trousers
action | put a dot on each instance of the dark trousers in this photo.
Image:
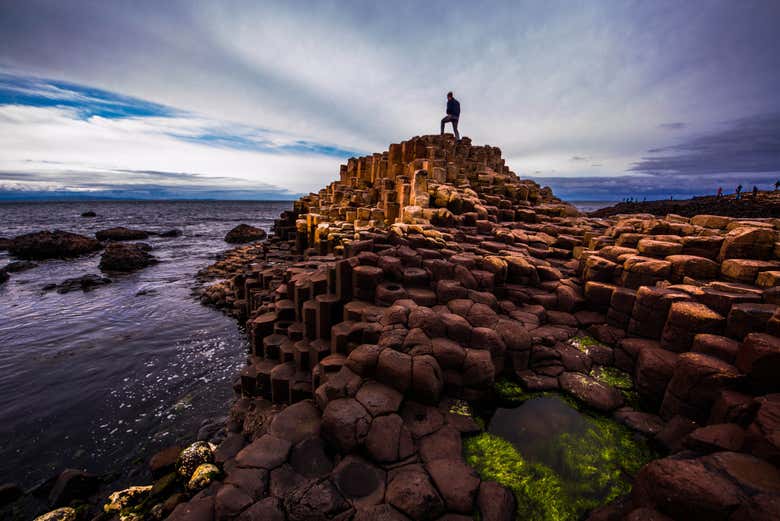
(454, 121)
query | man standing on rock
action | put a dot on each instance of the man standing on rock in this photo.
(453, 114)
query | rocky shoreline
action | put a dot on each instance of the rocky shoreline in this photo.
(429, 283)
(765, 204)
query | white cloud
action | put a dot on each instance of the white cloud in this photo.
(49, 139)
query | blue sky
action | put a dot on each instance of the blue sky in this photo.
(600, 100)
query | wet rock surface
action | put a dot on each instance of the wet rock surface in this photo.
(120, 257)
(245, 233)
(51, 245)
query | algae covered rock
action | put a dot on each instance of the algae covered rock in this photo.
(203, 476)
(192, 457)
(128, 497)
(61, 514)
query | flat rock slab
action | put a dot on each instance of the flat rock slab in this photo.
(297, 422)
(267, 452)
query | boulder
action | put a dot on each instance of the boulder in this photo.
(685, 321)
(427, 379)
(296, 423)
(267, 452)
(121, 233)
(345, 423)
(119, 257)
(696, 383)
(388, 440)
(244, 233)
(394, 369)
(590, 391)
(52, 245)
(685, 489)
(457, 482)
(747, 242)
(495, 502)
(379, 399)
(716, 437)
(745, 270)
(693, 266)
(718, 346)
(72, 484)
(318, 500)
(654, 369)
(412, 493)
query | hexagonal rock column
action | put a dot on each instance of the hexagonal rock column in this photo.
(685, 321)
(696, 383)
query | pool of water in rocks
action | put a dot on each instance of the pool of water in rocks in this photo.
(100, 380)
(559, 460)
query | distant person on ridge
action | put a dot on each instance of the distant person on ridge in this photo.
(739, 191)
(453, 114)
(777, 185)
(755, 192)
(720, 192)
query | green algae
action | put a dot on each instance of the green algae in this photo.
(511, 392)
(537, 488)
(572, 473)
(620, 380)
(583, 342)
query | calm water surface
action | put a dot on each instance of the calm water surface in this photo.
(99, 380)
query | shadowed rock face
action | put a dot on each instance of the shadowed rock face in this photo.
(52, 245)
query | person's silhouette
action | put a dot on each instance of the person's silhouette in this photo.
(453, 114)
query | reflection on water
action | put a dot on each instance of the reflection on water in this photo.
(99, 380)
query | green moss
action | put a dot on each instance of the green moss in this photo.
(585, 469)
(537, 488)
(583, 342)
(619, 380)
(511, 392)
(612, 377)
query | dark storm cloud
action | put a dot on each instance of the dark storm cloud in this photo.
(748, 145)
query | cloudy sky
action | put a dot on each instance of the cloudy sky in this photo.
(240, 99)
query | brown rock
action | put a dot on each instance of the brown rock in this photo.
(654, 369)
(759, 359)
(394, 369)
(267, 452)
(717, 437)
(696, 382)
(685, 321)
(718, 346)
(590, 391)
(297, 422)
(747, 243)
(315, 501)
(495, 502)
(345, 423)
(412, 493)
(457, 482)
(51, 245)
(685, 489)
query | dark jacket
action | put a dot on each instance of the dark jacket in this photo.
(453, 108)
